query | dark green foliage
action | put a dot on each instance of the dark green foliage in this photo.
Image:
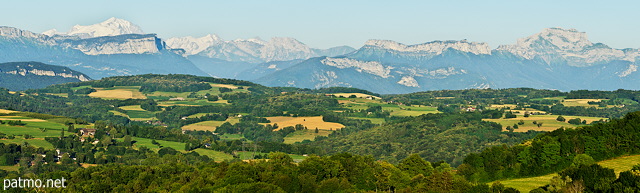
(553, 151)
(224, 89)
(594, 177)
(576, 121)
(436, 137)
(561, 118)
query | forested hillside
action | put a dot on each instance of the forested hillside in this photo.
(238, 135)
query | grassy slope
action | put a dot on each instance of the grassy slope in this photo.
(527, 184)
(549, 122)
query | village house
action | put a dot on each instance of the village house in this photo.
(87, 132)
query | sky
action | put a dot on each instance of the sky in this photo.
(328, 23)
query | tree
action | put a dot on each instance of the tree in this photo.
(317, 130)
(414, 165)
(106, 140)
(127, 140)
(576, 121)
(582, 160)
(539, 124)
(561, 118)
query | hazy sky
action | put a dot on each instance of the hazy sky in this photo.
(328, 23)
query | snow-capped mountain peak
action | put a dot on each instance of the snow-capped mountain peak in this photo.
(434, 47)
(564, 39)
(111, 27)
(570, 45)
(194, 45)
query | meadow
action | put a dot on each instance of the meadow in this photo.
(549, 122)
(134, 112)
(620, 164)
(209, 125)
(396, 110)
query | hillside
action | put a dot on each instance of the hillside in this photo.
(450, 137)
(33, 75)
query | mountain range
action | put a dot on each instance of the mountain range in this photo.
(33, 75)
(554, 58)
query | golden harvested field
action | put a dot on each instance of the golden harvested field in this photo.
(224, 86)
(25, 119)
(359, 95)
(582, 102)
(132, 108)
(7, 111)
(503, 106)
(549, 122)
(117, 94)
(209, 125)
(310, 122)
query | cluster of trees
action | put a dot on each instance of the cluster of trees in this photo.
(374, 111)
(172, 171)
(554, 151)
(590, 177)
(437, 137)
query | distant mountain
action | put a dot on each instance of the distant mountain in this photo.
(227, 59)
(102, 56)
(32, 75)
(552, 59)
(111, 27)
(557, 45)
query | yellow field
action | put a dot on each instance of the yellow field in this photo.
(16, 118)
(580, 102)
(209, 125)
(7, 111)
(549, 122)
(224, 86)
(132, 108)
(119, 114)
(620, 164)
(117, 94)
(359, 95)
(310, 122)
(503, 106)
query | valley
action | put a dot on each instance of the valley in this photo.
(152, 119)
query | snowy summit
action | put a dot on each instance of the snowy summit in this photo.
(111, 27)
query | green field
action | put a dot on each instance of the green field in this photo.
(215, 155)
(14, 168)
(33, 128)
(191, 102)
(34, 142)
(310, 134)
(144, 142)
(134, 112)
(549, 122)
(396, 110)
(231, 137)
(620, 164)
